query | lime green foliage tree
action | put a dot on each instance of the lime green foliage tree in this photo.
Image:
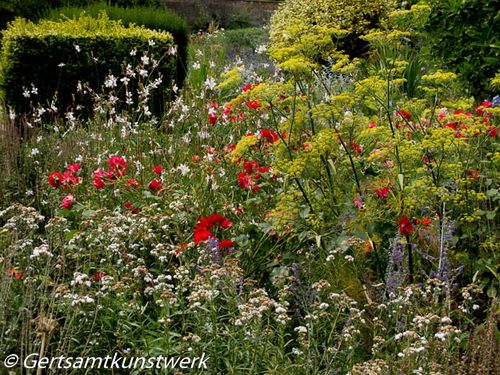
(310, 31)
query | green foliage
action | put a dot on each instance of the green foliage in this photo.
(464, 35)
(30, 9)
(308, 32)
(151, 17)
(42, 60)
(246, 38)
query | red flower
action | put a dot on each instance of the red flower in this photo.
(424, 221)
(492, 132)
(98, 276)
(99, 183)
(382, 193)
(226, 244)
(474, 174)
(201, 235)
(226, 224)
(269, 135)
(70, 180)
(117, 167)
(158, 169)
(202, 231)
(250, 166)
(405, 226)
(128, 205)
(133, 183)
(372, 124)
(155, 186)
(55, 179)
(247, 87)
(404, 114)
(252, 104)
(68, 201)
(212, 113)
(356, 147)
(11, 272)
(74, 168)
(486, 104)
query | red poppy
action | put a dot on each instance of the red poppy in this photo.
(226, 244)
(202, 231)
(270, 136)
(158, 169)
(404, 114)
(424, 221)
(405, 226)
(55, 179)
(247, 87)
(252, 104)
(155, 186)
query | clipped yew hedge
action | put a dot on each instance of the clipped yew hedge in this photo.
(55, 56)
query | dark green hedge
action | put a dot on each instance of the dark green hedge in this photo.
(32, 54)
(151, 17)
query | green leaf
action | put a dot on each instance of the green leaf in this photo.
(490, 215)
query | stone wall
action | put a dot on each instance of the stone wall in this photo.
(227, 13)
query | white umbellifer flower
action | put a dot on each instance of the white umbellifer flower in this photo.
(300, 329)
(440, 336)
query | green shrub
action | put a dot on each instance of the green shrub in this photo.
(250, 37)
(151, 17)
(464, 35)
(316, 27)
(49, 58)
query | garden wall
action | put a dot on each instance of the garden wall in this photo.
(229, 14)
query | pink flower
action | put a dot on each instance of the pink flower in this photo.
(74, 168)
(382, 193)
(68, 201)
(99, 183)
(117, 167)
